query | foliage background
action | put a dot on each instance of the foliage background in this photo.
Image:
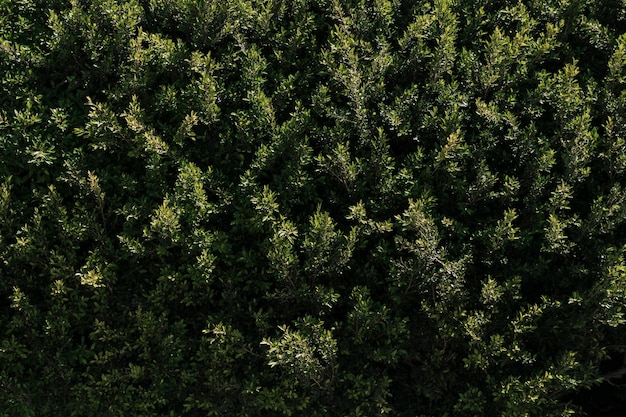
(312, 207)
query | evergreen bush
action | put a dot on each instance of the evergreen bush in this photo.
(312, 207)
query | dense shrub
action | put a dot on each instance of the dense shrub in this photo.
(312, 207)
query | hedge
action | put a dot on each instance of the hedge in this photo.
(312, 207)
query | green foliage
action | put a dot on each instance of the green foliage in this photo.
(315, 207)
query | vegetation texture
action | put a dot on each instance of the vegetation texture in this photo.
(312, 207)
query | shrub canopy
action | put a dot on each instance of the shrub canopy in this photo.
(312, 207)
